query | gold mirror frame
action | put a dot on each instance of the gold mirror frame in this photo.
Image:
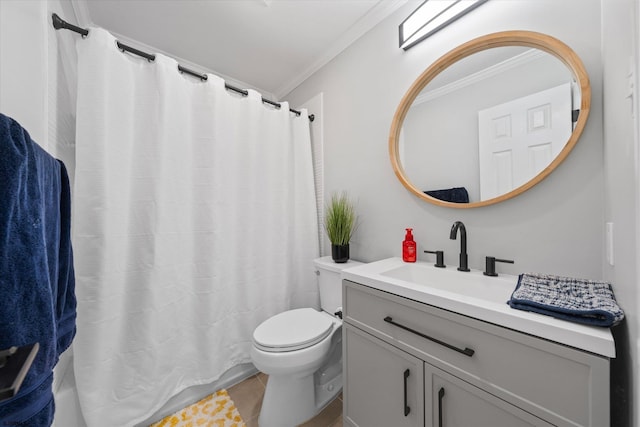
(531, 39)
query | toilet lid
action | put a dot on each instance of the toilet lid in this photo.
(292, 330)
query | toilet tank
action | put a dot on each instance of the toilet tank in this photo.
(330, 282)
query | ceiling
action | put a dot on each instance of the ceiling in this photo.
(268, 45)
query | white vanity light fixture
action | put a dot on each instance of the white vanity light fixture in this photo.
(432, 16)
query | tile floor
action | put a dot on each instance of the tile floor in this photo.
(247, 395)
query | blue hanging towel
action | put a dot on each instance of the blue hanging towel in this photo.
(36, 268)
(583, 301)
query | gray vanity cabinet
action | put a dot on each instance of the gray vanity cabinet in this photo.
(449, 401)
(461, 371)
(385, 383)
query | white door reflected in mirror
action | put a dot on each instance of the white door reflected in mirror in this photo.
(519, 138)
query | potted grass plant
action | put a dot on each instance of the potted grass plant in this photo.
(340, 223)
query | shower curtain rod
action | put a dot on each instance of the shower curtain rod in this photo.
(59, 23)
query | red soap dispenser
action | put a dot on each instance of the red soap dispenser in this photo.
(409, 247)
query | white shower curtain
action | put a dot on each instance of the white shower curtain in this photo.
(194, 221)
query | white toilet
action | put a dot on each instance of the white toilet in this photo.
(301, 351)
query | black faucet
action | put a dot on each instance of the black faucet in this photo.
(490, 265)
(439, 258)
(463, 243)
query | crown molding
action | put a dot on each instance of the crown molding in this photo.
(379, 12)
(494, 70)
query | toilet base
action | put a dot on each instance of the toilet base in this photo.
(325, 394)
(290, 401)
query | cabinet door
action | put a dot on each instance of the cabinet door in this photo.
(451, 402)
(383, 386)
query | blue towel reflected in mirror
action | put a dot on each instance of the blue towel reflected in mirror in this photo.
(453, 195)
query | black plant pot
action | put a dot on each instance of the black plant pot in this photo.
(340, 253)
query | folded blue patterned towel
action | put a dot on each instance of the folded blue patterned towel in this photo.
(576, 300)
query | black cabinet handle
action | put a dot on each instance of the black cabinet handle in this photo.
(467, 351)
(407, 409)
(440, 396)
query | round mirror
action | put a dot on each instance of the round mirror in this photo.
(490, 119)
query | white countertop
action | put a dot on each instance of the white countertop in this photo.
(491, 306)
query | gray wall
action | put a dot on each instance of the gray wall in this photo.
(556, 227)
(620, 39)
(23, 66)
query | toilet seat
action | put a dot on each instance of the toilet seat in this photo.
(292, 330)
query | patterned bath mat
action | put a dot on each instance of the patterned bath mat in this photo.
(216, 410)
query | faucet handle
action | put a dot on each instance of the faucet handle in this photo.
(439, 258)
(490, 265)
